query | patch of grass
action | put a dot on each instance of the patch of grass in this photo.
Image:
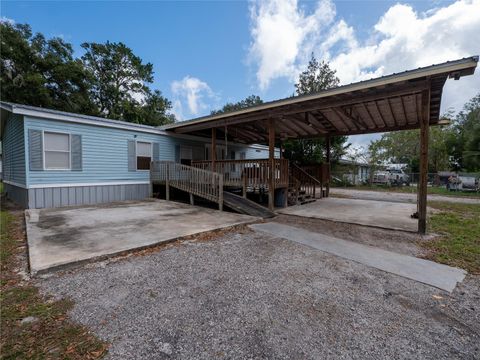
(50, 335)
(459, 243)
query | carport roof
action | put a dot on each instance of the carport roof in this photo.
(388, 103)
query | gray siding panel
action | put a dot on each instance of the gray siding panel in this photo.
(17, 194)
(74, 196)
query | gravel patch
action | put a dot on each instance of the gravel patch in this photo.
(245, 295)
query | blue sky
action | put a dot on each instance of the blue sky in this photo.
(207, 53)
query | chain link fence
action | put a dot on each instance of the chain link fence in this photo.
(440, 182)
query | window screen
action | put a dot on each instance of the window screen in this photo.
(144, 155)
(56, 151)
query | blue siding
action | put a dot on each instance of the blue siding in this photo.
(105, 153)
(14, 150)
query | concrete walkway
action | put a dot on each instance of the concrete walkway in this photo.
(387, 215)
(424, 271)
(57, 237)
(398, 197)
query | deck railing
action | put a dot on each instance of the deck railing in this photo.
(302, 181)
(199, 182)
(248, 174)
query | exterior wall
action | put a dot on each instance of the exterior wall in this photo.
(13, 151)
(85, 195)
(104, 176)
(17, 194)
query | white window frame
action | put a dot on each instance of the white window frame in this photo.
(136, 153)
(69, 151)
(222, 149)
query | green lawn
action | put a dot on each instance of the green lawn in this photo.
(51, 335)
(413, 190)
(459, 243)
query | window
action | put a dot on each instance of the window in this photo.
(144, 155)
(56, 150)
(186, 155)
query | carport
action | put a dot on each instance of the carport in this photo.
(402, 101)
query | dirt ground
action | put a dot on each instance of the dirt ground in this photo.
(398, 241)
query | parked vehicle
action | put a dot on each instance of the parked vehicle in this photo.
(391, 177)
(462, 183)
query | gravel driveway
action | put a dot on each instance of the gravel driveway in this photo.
(245, 295)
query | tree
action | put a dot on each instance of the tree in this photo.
(41, 72)
(249, 101)
(317, 77)
(464, 140)
(403, 147)
(120, 86)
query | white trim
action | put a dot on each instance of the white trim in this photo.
(69, 150)
(41, 186)
(13, 183)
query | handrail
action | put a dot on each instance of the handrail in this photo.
(300, 180)
(203, 183)
(305, 174)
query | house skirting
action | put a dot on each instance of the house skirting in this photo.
(18, 194)
(51, 196)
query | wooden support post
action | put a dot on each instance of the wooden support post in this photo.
(167, 182)
(214, 148)
(191, 199)
(244, 184)
(220, 194)
(271, 162)
(422, 184)
(328, 145)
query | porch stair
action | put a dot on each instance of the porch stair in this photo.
(302, 186)
(245, 206)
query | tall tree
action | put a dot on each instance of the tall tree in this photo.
(317, 77)
(42, 72)
(120, 87)
(249, 101)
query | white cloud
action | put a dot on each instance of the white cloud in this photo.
(194, 92)
(283, 35)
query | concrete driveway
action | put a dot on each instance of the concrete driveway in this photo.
(382, 214)
(57, 237)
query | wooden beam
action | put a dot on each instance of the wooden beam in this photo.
(326, 121)
(356, 120)
(271, 158)
(307, 128)
(328, 145)
(372, 119)
(422, 184)
(287, 124)
(384, 124)
(339, 115)
(214, 148)
(403, 110)
(309, 118)
(391, 112)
